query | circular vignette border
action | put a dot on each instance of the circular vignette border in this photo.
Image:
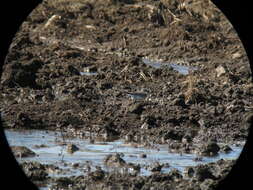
(238, 15)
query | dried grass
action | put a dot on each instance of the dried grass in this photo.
(192, 91)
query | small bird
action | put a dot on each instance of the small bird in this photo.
(135, 95)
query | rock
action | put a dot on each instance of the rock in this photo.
(35, 170)
(104, 85)
(174, 135)
(158, 177)
(198, 159)
(175, 174)
(136, 108)
(201, 123)
(71, 70)
(156, 167)
(91, 69)
(208, 184)
(71, 148)
(129, 137)
(189, 172)
(149, 119)
(236, 55)
(155, 16)
(145, 126)
(97, 175)
(226, 149)
(143, 156)
(40, 146)
(175, 147)
(220, 70)
(179, 102)
(22, 151)
(75, 165)
(23, 120)
(109, 133)
(248, 119)
(203, 172)
(21, 74)
(64, 181)
(135, 167)
(186, 139)
(209, 149)
(114, 160)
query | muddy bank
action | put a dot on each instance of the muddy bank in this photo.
(199, 177)
(53, 161)
(149, 72)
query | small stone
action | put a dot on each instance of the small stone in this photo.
(198, 159)
(209, 149)
(174, 147)
(143, 155)
(186, 139)
(71, 148)
(145, 126)
(178, 102)
(22, 151)
(129, 137)
(156, 167)
(174, 135)
(40, 146)
(109, 133)
(135, 167)
(203, 172)
(220, 70)
(208, 184)
(90, 69)
(166, 165)
(104, 85)
(35, 171)
(114, 160)
(175, 174)
(75, 165)
(64, 181)
(226, 149)
(189, 172)
(97, 175)
(136, 108)
(236, 55)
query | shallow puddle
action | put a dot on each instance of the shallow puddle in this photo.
(156, 64)
(180, 68)
(94, 154)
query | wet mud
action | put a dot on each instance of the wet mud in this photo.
(49, 159)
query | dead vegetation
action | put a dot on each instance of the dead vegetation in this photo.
(191, 93)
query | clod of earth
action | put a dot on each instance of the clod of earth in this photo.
(98, 174)
(35, 171)
(203, 172)
(22, 151)
(226, 149)
(71, 148)
(114, 161)
(156, 167)
(209, 149)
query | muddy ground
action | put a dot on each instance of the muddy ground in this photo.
(199, 177)
(77, 66)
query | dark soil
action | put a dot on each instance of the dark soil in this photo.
(200, 177)
(42, 87)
